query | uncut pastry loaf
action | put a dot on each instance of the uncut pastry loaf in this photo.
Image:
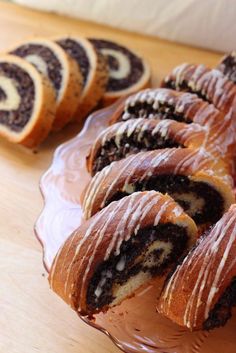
(202, 291)
(27, 102)
(94, 71)
(128, 73)
(195, 180)
(120, 249)
(227, 66)
(63, 72)
(209, 84)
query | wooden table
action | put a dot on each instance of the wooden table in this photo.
(32, 318)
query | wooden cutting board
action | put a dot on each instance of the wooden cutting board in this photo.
(32, 318)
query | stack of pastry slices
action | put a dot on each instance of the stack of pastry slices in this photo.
(45, 84)
(160, 203)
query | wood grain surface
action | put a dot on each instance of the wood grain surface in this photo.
(32, 318)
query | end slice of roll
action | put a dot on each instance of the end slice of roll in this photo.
(201, 292)
(27, 102)
(119, 250)
(62, 71)
(128, 72)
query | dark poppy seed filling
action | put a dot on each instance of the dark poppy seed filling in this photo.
(136, 64)
(2, 95)
(152, 250)
(222, 311)
(199, 200)
(111, 151)
(53, 65)
(185, 87)
(228, 67)
(77, 52)
(24, 85)
(147, 110)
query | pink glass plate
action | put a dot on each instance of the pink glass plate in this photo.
(134, 326)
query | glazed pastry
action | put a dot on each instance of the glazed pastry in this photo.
(227, 66)
(210, 85)
(27, 102)
(186, 175)
(161, 103)
(202, 291)
(94, 71)
(132, 136)
(128, 73)
(63, 72)
(120, 249)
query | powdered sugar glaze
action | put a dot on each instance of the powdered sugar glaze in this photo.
(133, 326)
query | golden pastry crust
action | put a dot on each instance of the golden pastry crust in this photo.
(198, 283)
(40, 123)
(71, 78)
(125, 61)
(97, 239)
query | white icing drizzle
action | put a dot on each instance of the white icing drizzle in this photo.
(91, 191)
(9, 87)
(120, 266)
(124, 67)
(212, 270)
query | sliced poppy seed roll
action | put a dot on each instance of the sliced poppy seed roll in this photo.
(163, 103)
(201, 292)
(132, 136)
(210, 85)
(119, 250)
(128, 73)
(227, 66)
(27, 102)
(194, 180)
(63, 72)
(94, 71)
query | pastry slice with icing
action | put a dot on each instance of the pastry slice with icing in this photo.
(227, 66)
(163, 103)
(202, 291)
(195, 180)
(128, 73)
(132, 136)
(27, 102)
(94, 71)
(63, 72)
(210, 85)
(119, 250)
